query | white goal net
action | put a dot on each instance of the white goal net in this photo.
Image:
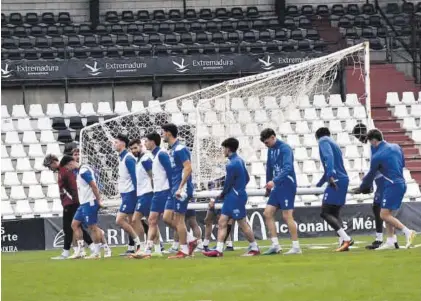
(238, 108)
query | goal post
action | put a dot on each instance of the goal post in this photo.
(240, 108)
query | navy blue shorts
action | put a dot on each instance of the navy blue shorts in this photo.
(90, 213)
(128, 202)
(283, 196)
(234, 206)
(378, 196)
(178, 205)
(159, 200)
(393, 196)
(144, 203)
(337, 196)
(190, 213)
(79, 215)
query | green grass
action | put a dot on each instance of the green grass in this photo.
(316, 275)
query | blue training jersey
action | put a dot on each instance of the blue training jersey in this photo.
(332, 160)
(237, 176)
(388, 159)
(179, 154)
(378, 179)
(280, 164)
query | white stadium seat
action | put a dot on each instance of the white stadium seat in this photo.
(29, 178)
(413, 190)
(316, 124)
(351, 151)
(335, 100)
(53, 110)
(187, 106)
(270, 102)
(18, 111)
(253, 103)
(234, 130)
(392, 98)
(278, 117)
(104, 108)
(53, 148)
(4, 195)
(294, 115)
(4, 112)
(319, 101)
(310, 140)
(408, 98)
(343, 113)
(416, 110)
(300, 154)
(293, 141)
(47, 137)
(302, 127)
(7, 125)
(11, 179)
(309, 166)
(44, 123)
(407, 175)
(23, 208)
(177, 118)
(221, 104)
(47, 177)
(252, 129)
(154, 106)
(12, 138)
(171, 107)
(4, 153)
(297, 167)
(237, 104)
(360, 113)
(35, 150)
(260, 116)
(257, 169)
(327, 113)
(137, 105)
(70, 110)
(335, 126)
(121, 108)
(304, 102)
(264, 154)
(352, 100)
(244, 117)
(17, 193)
(316, 176)
(343, 139)
(203, 131)
(400, 111)
(248, 154)
(23, 164)
(416, 135)
(193, 118)
(302, 180)
(36, 111)
(310, 114)
(87, 109)
(211, 118)
(350, 124)
(35, 192)
(24, 124)
(53, 191)
(56, 208)
(38, 165)
(17, 151)
(6, 165)
(41, 207)
(409, 123)
(7, 210)
(29, 137)
(252, 183)
(285, 100)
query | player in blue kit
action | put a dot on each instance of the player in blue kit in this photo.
(90, 201)
(335, 193)
(389, 160)
(181, 190)
(234, 197)
(281, 187)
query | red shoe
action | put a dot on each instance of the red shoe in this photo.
(179, 255)
(252, 253)
(213, 253)
(192, 246)
(345, 246)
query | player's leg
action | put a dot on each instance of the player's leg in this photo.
(105, 246)
(329, 214)
(124, 216)
(68, 214)
(288, 217)
(391, 224)
(76, 225)
(248, 233)
(228, 239)
(209, 218)
(379, 226)
(138, 226)
(269, 215)
(194, 226)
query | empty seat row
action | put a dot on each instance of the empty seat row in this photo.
(402, 110)
(32, 18)
(29, 178)
(18, 150)
(408, 98)
(24, 164)
(34, 192)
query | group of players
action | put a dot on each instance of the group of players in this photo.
(157, 184)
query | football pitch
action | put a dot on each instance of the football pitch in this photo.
(318, 274)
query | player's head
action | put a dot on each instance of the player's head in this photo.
(322, 132)
(152, 140)
(374, 136)
(230, 146)
(121, 142)
(360, 132)
(169, 132)
(69, 162)
(76, 154)
(51, 162)
(135, 146)
(268, 137)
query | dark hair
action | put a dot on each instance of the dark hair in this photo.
(66, 160)
(134, 141)
(375, 134)
(124, 138)
(155, 137)
(231, 143)
(50, 158)
(321, 132)
(69, 147)
(172, 128)
(266, 133)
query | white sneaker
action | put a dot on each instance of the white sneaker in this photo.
(410, 240)
(294, 251)
(61, 257)
(386, 246)
(93, 256)
(78, 255)
(107, 254)
(170, 251)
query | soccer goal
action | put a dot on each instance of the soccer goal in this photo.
(238, 108)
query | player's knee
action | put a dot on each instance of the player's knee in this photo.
(152, 221)
(384, 214)
(267, 215)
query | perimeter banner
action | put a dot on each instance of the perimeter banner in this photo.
(21, 235)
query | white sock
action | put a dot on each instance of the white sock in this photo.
(229, 243)
(75, 249)
(158, 248)
(206, 242)
(379, 236)
(390, 241)
(185, 249)
(81, 243)
(341, 232)
(295, 244)
(220, 247)
(65, 253)
(253, 246)
(190, 237)
(136, 240)
(106, 247)
(200, 244)
(92, 247)
(130, 248)
(395, 239)
(341, 241)
(97, 248)
(148, 247)
(175, 245)
(275, 242)
(406, 231)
